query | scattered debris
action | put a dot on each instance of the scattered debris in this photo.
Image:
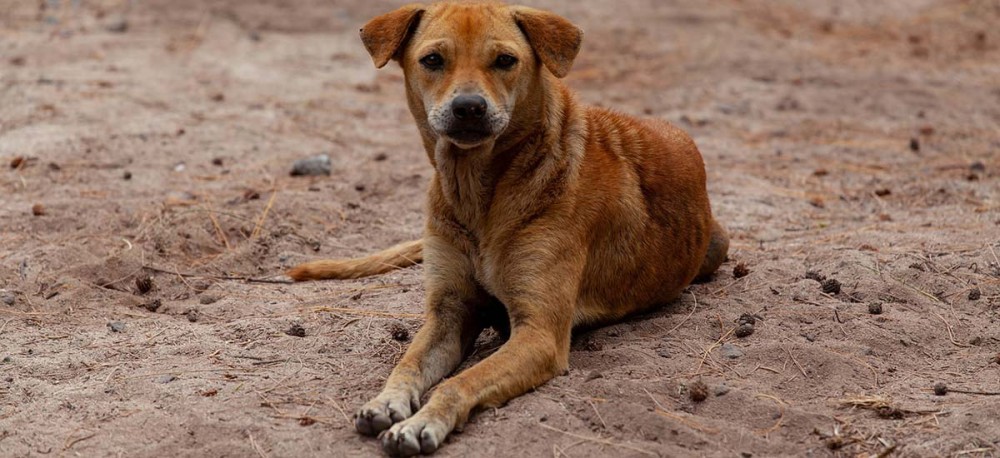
(813, 275)
(296, 330)
(875, 308)
(312, 166)
(741, 270)
(152, 305)
(940, 389)
(744, 330)
(747, 318)
(830, 286)
(251, 194)
(17, 161)
(209, 393)
(698, 391)
(975, 294)
(144, 284)
(116, 326)
(307, 421)
(399, 332)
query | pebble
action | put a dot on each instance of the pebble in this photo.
(117, 25)
(730, 351)
(192, 315)
(720, 390)
(116, 326)
(312, 166)
(875, 308)
(208, 299)
(296, 330)
(7, 297)
(831, 286)
(165, 379)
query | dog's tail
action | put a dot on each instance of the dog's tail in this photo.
(718, 251)
(400, 256)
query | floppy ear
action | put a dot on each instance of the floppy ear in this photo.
(555, 40)
(385, 36)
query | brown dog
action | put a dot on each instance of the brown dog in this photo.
(544, 214)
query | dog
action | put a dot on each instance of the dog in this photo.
(544, 214)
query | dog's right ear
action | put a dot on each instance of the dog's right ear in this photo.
(386, 35)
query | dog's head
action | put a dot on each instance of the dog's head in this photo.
(468, 66)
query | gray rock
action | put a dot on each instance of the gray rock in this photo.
(720, 390)
(208, 299)
(165, 379)
(730, 351)
(117, 24)
(116, 326)
(7, 297)
(312, 166)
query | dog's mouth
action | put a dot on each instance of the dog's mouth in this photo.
(468, 138)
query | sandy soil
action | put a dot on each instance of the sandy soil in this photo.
(859, 142)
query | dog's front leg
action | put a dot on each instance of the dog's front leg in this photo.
(538, 350)
(451, 327)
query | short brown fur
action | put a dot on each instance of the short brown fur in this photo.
(571, 216)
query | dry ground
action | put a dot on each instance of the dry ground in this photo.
(858, 140)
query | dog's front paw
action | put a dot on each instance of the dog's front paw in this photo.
(385, 410)
(420, 434)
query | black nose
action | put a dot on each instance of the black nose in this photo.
(468, 107)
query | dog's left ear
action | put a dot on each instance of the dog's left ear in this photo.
(385, 36)
(555, 40)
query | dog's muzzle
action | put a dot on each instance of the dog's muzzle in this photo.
(469, 120)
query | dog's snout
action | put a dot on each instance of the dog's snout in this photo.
(469, 107)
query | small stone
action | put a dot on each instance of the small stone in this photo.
(165, 379)
(940, 389)
(730, 351)
(312, 166)
(663, 352)
(914, 144)
(117, 25)
(720, 390)
(6, 359)
(698, 391)
(127, 175)
(116, 326)
(744, 330)
(381, 157)
(831, 286)
(976, 341)
(218, 162)
(747, 318)
(996, 359)
(882, 192)
(192, 315)
(978, 166)
(208, 299)
(875, 308)
(7, 297)
(593, 375)
(809, 336)
(975, 294)
(17, 162)
(38, 210)
(296, 330)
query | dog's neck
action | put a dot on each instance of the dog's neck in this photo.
(532, 148)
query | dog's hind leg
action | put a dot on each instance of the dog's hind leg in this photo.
(718, 252)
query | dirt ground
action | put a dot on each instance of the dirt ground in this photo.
(146, 145)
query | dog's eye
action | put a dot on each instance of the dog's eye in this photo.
(433, 61)
(505, 61)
